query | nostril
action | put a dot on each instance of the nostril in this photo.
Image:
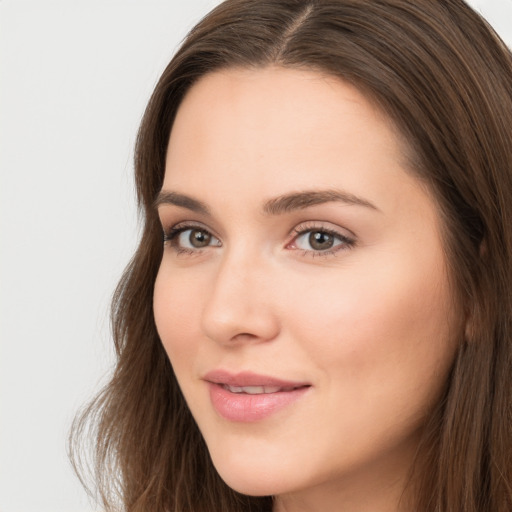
(244, 336)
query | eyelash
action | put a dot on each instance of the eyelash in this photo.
(312, 227)
(170, 237)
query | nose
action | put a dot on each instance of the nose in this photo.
(239, 308)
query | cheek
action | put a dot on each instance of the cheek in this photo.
(177, 311)
(387, 328)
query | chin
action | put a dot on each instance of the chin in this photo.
(253, 477)
(254, 484)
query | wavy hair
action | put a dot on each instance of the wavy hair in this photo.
(439, 71)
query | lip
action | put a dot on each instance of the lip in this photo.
(249, 379)
(244, 407)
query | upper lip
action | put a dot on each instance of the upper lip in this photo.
(246, 378)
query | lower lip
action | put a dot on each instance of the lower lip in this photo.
(246, 408)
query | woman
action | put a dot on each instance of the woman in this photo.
(325, 322)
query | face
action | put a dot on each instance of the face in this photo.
(303, 296)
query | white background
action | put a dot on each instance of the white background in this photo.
(75, 76)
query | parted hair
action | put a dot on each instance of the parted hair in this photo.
(444, 78)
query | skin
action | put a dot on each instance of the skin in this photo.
(371, 324)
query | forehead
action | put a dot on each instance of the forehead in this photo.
(281, 103)
(269, 131)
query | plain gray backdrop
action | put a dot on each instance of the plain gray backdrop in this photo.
(75, 76)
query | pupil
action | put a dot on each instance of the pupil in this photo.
(320, 241)
(199, 238)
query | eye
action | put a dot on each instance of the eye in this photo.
(193, 238)
(319, 240)
(190, 238)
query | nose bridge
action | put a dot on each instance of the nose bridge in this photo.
(239, 302)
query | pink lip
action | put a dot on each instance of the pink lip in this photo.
(243, 407)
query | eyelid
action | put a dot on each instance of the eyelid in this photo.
(311, 225)
(177, 227)
(346, 236)
(172, 235)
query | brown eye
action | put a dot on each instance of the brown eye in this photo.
(190, 239)
(316, 241)
(320, 240)
(199, 238)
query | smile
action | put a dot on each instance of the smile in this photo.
(256, 390)
(247, 397)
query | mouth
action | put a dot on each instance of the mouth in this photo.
(248, 397)
(252, 383)
(258, 390)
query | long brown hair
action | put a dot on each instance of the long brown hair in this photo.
(445, 79)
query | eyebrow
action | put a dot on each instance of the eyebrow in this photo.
(277, 206)
(302, 200)
(181, 200)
